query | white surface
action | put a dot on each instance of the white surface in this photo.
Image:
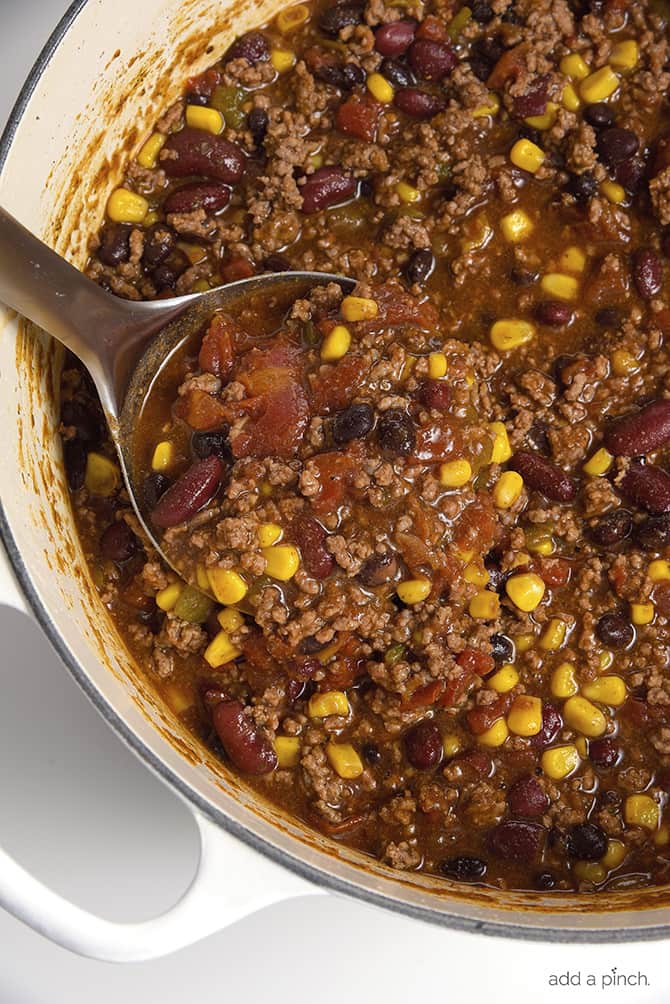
(81, 812)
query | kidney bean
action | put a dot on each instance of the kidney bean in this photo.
(648, 487)
(615, 631)
(395, 38)
(114, 244)
(502, 648)
(214, 443)
(154, 486)
(599, 115)
(526, 798)
(118, 542)
(210, 196)
(194, 151)
(514, 840)
(194, 489)
(74, 460)
(311, 538)
(587, 842)
(418, 104)
(253, 47)
(582, 187)
(398, 74)
(553, 313)
(431, 60)
(603, 752)
(423, 745)
(326, 187)
(436, 394)
(534, 101)
(247, 747)
(612, 528)
(615, 144)
(159, 243)
(353, 423)
(420, 266)
(378, 569)
(464, 868)
(396, 431)
(653, 533)
(552, 723)
(543, 476)
(334, 19)
(647, 273)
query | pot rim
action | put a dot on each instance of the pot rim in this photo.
(295, 864)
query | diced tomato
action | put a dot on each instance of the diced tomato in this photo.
(457, 687)
(201, 410)
(434, 29)
(509, 66)
(477, 526)
(343, 672)
(436, 394)
(476, 661)
(217, 352)
(397, 306)
(478, 760)
(335, 388)
(237, 268)
(424, 696)
(335, 472)
(554, 572)
(204, 83)
(481, 718)
(662, 598)
(310, 537)
(359, 117)
(436, 442)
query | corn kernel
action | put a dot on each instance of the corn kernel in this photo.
(151, 218)
(485, 605)
(544, 121)
(287, 749)
(504, 680)
(560, 761)
(525, 716)
(574, 66)
(613, 192)
(624, 363)
(560, 286)
(527, 156)
(336, 343)
(573, 259)
(563, 683)
(281, 561)
(662, 836)
(606, 660)
(344, 760)
(437, 365)
(178, 699)
(326, 654)
(201, 578)
(127, 207)
(282, 60)
(228, 587)
(599, 85)
(525, 591)
(268, 534)
(510, 334)
(206, 119)
(582, 747)
(554, 635)
(230, 619)
(599, 463)
(163, 456)
(614, 855)
(331, 702)
(358, 308)
(501, 450)
(491, 108)
(496, 735)
(102, 475)
(516, 226)
(407, 193)
(476, 575)
(380, 89)
(542, 545)
(659, 570)
(465, 556)
(641, 810)
(458, 23)
(221, 650)
(590, 871)
(520, 560)
(292, 18)
(624, 55)
(524, 642)
(167, 597)
(451, 744)
(642, 613)
(570, 98)
(201, 286)
(148, 155)
(606, 690)
(507, 489)
(455, 473)
(584, 717)
(413, 591)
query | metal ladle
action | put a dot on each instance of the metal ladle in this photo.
(124, 344)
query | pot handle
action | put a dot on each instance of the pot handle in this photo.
(231, 882)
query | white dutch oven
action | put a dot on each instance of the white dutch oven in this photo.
(106, 73)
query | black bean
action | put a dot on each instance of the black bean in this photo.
(599, 115)
(165, 275)
(647, 273)
(206, 444)
(630, 173)
(423, 745)
(353, 423)
(464, 868)
(608, 317)
(371, 753)
(582, 187)
(420, 266)
(665, 242)
(378, 569)
(253, 47)
(159, 243)
(616, 144)
(257, 124)
(334, 19)
(603, 752)
(554, 313)
(532, 135)
(154, 486)
(276, 263)
(587, 842)
(88, 424)
(74, 459)
(615, 631)
(653, 533)
(397, 73)
(397, 432)
(545, 881)
(612, 528)
(353, 75)
(114, 244)
(523, 276)
(482, 12)
(502, 648)
(118, 542)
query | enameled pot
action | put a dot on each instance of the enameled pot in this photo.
(104, 76)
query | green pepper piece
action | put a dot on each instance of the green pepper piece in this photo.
(394, 654)
(229, 100)
(458, 23)
(193, 605)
